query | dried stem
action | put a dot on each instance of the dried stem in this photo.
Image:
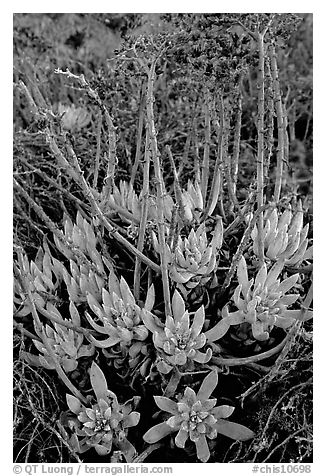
(233, 362)
(269, 118)
(227, 161)
(205, 164)
(98, 151)
(139, 134)
(260, 152)
(280, 124)
(143, 219)
(55, 184)
(112, 159)
(236, 147)
(159, 187)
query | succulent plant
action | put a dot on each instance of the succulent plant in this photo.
(81, 279)
(264, 302)
(120, 318)
(284, 236)
(102, 425)
(74, 118)
(195, 417)
(67, 344)
(177, 341)
(127, 199)
(192, 201)
(193, 259)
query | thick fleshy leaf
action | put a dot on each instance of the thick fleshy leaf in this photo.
(100, 329)
(261, 276)
(233, 430)
(102, 450)
(157, 432)
(208, 385)
(208, 404)
(39, 345)
(242, 274)
(114, 285)
(74, 404)
(288, 299)
(258, 331)
(98, 382)
(223, 411)
(274, 273)
(298, 314)
(107, 299)
(283, 322)
(31, 359)
(74, 314)
(190, 396)
(166, 405)
(126, 294)
(151, 322)
(217, 238)
(150, 298)
(218, 331)
(180, 277)
(128, 450)
(131, 420)
(94, 305)
(198, 322)
(178, 306)
(180, 358)
(299, 255)
(202, 449)
(288, 283)
(163, 367)
(181, 438)
(203, 358)
(233, 318)
(184, 323)
(103, 344)
(54, 311)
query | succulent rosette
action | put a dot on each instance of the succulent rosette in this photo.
(284, 236)
(193, 259)
(103, 425)
(125, 198)
(66, 344)
(178, 341)
(41, 281)
(120, 319)
(81, 278)
(195, 417)
(264, 302)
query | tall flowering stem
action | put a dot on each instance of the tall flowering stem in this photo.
(159, 184)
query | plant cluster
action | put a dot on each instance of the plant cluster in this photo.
(158, 267)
